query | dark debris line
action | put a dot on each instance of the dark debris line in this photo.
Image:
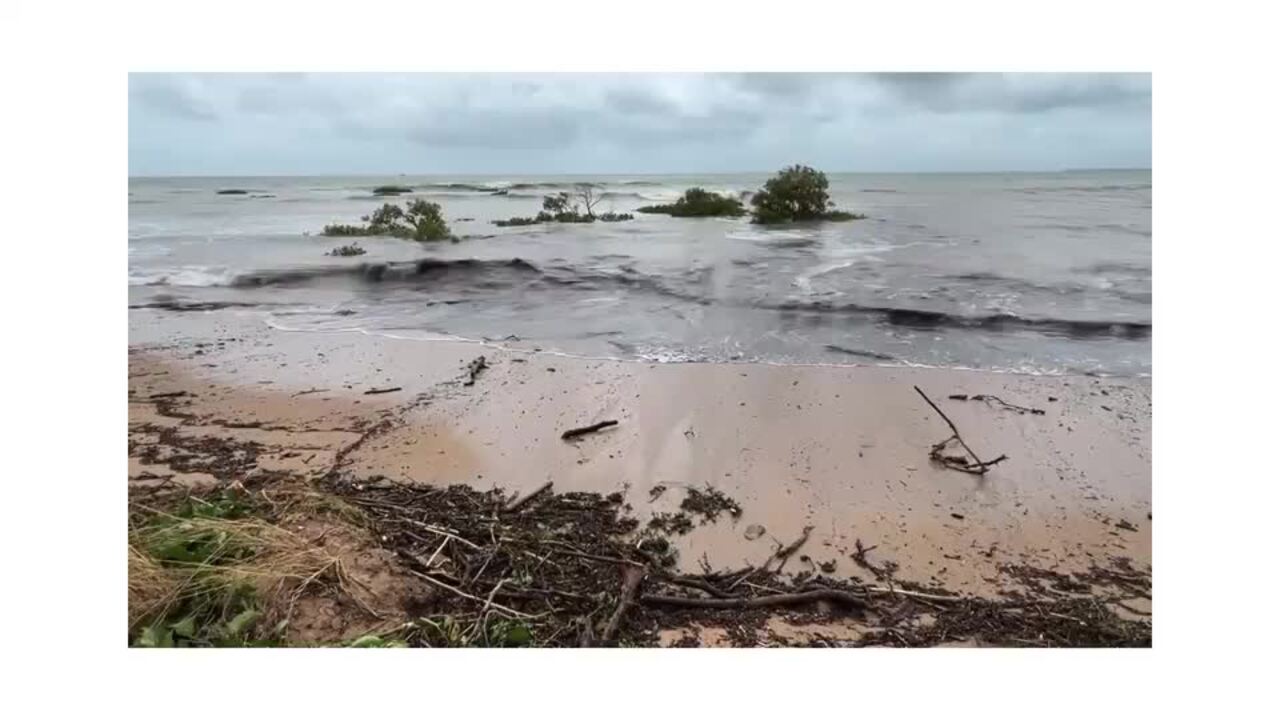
(551, 574)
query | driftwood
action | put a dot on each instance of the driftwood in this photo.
(631, 577)
(782, 555)
(785, 553)
(473, 369)
(1020, 409)
(800, 598)
(957, 462)
(518, 503)
(379, 391)
(570, 434)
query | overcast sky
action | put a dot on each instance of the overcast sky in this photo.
(299, 124)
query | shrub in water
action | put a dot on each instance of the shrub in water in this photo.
(795, 194)
(697, 202)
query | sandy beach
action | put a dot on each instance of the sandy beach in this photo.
(842, 450)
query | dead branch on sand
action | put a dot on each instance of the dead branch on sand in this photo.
(570, 434)
(957, 462)
(520, 502)
(473, 369)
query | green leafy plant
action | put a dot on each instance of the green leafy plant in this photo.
(697, 202)
(347, 251)
(421, 220)
(798, 193)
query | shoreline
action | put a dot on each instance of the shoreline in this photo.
(841, 449)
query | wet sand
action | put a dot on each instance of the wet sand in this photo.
(842, 449)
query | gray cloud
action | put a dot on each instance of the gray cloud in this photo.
(349, 122)
(1016, 93)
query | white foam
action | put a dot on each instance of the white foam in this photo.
(190, 276)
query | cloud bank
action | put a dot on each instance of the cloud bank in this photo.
(262, 124)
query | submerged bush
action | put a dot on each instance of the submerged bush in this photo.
(561, 208)
(392, 190)
(517, 221)
(345, 231)
(422, 221)
(795, 194)
(346, 251)
(697, 202)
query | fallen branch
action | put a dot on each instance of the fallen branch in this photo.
(785, 553)
(473, 369)
(837, 596)
(570, 434)
(1020, 409)
(631, 577)
(380, 391)
(518, 503)
(957, 462)
(459, 593)
(695, 583)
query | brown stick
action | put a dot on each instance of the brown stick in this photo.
(838, 596)
(785, 553)
(474, 369)
(977, 467)
(379, 391)
(631, 577)
(696, 583)
(518, 503)
(570, 434)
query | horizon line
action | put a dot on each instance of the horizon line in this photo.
(642, 174)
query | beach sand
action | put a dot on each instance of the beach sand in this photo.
(841, 449)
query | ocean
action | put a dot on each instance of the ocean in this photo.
(1025, 272)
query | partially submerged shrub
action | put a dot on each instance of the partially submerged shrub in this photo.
(233, 191)
(561, 208)
(392, 190)
(422, 221)
(345, 231)
(347, 251)
(797, 193)
(517, 222)
(697, 202)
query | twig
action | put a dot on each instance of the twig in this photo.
(785, 553)
(570, 434)
(1018, 408)
(601, 558)
(380, 391)
(518, 503)
(801, 598)
(459, 593)
(631, 577)
(695, 583)
(977, 467)
(438, 531)
(484, 612)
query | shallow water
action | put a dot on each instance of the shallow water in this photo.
(1028, 272)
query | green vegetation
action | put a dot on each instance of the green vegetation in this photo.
(204, 574)
(346, 231)
(561, 208)
(392, 190)
(347, 251)
(422, 221)
(797, 193)
(697, 202)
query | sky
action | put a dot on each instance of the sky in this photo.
(485, 124)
